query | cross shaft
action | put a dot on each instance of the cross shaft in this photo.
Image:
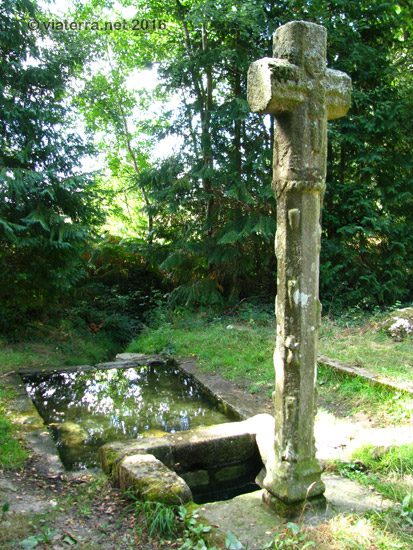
(302, 94)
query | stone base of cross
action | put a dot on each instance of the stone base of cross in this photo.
(296, 87)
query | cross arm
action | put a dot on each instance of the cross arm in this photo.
(275, 86)
(338, 93)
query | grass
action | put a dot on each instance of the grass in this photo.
(367, 346)
(159, 519)
(353, 532)
(388, 469)
(12, 453)
(51, 346)
(241, 349)
(241, 352)
(348, 395)
(353, 343)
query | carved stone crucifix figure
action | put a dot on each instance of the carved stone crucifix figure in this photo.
(302, 94)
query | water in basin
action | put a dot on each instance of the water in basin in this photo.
(85, 409)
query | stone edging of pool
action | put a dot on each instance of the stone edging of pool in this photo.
(237, 403)
(369, 376)
(32, 426)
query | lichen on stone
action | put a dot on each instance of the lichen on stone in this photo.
(399, 325)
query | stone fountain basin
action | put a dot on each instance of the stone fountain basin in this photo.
(195, 465)
(198, 464)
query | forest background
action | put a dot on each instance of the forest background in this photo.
(191, 224)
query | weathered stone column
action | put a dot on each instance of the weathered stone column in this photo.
(296, 87)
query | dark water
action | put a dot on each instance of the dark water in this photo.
(84, 410)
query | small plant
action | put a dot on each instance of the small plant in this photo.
(292, 537)
(4, 509)
(406, 512)
(193, 531)
(45, 537)
(159, 518)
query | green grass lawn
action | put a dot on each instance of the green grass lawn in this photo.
(54, 346)
(243, 352)
(248, 346)
(241, 349)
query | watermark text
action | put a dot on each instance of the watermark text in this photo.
(137, 25)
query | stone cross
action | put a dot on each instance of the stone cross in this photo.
(296, 87)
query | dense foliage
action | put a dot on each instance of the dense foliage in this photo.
(210, 204)
(47, 205)
(366, 255)
(204, 213)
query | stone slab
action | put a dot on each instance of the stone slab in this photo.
(112, 453)
(32, 426)
(346, 496)
(51, 369)
(244, 516)
(236, 400)
(213, 445)
(138, 359)
(254, 524)
(209, 446)
(150, 479)
(369, 376)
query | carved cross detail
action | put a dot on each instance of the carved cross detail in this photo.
(296, 87)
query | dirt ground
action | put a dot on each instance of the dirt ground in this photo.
(59, 511)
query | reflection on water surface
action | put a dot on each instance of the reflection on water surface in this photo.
(84, 410)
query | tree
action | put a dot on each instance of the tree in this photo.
(365, 255)
(367, 228)
(212, 206)
(194, 201)
(110, 112)
(47, 205)
(223, 191)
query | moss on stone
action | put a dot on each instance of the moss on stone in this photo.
(232, 472)
(151, 480)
